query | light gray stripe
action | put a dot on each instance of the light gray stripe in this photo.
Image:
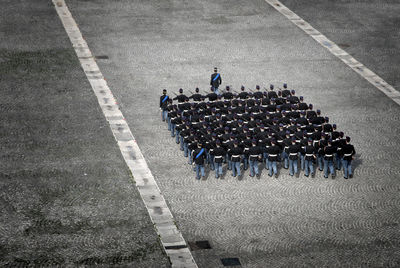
(357, 66)
(153, 199)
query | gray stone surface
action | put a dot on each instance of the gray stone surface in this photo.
(267, 222)
(367, 30)
(66, 196)
(54, 213)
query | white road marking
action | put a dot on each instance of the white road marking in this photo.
(358, 67)
(171, 238)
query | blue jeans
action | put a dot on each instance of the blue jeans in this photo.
(211, 161)
(185, 149)
(245, 161)
(346, 168)
(164, 115)
(229, 162)
(236, 169)
(172, 130)
(338, 162)
(265, 160)
(181, 142)
(216, 91)
(328, 164)
(302, 161)
(218, 169)
(272, 167)
(320, 159)
(253, 167)
(190, 161)
(177, 137)
(309, 167)
(292, 166)
(169, 123)
(285, 158)
(199, 168)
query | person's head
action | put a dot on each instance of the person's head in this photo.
(199, 144)
(242, 88)
(293, 140)
(236, 143)
(318, 112)
(227, 88)
(309, 141)
(197, 90)
(164, 92)
(254, 142)
(347, 139)
(271, 87)
(218, 143)
(215, 69)
(212, 89)
(181, 90)
(284, 85)
(257, 87)
(293, 92)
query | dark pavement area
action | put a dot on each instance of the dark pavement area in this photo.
(367, 30)
(281, 222)
(66, 195)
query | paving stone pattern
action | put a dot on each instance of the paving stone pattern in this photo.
(282, 222)
(66, 196)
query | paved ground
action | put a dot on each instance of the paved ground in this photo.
(155, 44)
(367, 30)
(266, 222)
(66, 197)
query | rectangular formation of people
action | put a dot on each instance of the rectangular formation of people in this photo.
(250, 127)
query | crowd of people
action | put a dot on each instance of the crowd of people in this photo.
(244, 129)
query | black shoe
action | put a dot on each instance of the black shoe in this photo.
(345, 178)
(325, 177)
(320, 169)
(333, 177)
(305, 175)
(313, 175)
(297, 175)
(258, 176)
(276, 175)
(270, 175)
(351, 176)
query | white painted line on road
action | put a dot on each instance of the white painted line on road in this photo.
(358, 67)
(171, 238)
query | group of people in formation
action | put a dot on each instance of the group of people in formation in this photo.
(256, 128)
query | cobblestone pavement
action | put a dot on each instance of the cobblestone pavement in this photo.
(367, 30)
(268, 222)
(282, 222)
(66, 196)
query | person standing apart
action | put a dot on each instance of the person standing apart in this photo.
(216, 80)
(348, 152)
(163, 105)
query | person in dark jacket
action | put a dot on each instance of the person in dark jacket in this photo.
(293, 151)
(255, 153)
(163, 105)
(235, 154)
(216, 80)
(348, 152)
(273, 153)
(328, 153)
(309, 158)
(218, 153)
(199, 156)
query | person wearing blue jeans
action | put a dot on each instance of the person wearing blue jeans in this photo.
(235, 154)
(255, 153)
(199, 155)
(273, 155)
(218, 154)
(163, 105)
(309, 152)
(294, 150)
(348, 152)
(329, 152)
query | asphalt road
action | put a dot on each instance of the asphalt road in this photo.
(150, 45)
